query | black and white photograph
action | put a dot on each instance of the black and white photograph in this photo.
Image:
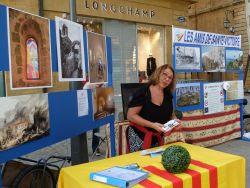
(98, 67)
(187, 57)
(22, 119)
(70, 50)
(213, 58)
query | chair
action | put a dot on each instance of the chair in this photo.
(102, 139)
(127, 91)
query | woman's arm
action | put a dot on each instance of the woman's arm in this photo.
(133, 115)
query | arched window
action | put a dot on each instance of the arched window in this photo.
(32, 60)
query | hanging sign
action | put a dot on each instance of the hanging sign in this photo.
(205, 38)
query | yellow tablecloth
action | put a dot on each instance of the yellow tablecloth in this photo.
(230, 170)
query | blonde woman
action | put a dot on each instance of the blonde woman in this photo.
(151, 107)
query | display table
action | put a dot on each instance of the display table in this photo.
(208, 169)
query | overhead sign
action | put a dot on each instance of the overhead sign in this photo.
(205, 38)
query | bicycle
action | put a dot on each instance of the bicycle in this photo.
(40, 175)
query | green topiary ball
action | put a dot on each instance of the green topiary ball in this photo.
(176, 159)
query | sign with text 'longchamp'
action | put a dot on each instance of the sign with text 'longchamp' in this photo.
(205, 38)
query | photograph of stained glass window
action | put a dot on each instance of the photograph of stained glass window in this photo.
(29, 50)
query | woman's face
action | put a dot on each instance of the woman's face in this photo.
(166, 78)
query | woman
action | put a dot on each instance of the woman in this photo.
(151, 107)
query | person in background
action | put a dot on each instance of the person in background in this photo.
(151, 107)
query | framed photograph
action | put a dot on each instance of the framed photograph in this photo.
(98, 67)
(188, 96)
(127, 91)
(22, 119)
(234, 59)
(29, 50)
(213, 58)
(187, 57)
(103, 102)
(70, 50)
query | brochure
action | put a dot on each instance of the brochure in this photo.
(119, 176)
(170, 125)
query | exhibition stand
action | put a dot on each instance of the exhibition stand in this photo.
(38, 110)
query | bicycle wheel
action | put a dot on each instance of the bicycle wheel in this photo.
(34, 177)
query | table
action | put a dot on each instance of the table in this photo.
(208, 169)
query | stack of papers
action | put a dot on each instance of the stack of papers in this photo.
(152, 151)
(119, 176)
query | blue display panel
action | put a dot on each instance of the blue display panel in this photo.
(63, 106)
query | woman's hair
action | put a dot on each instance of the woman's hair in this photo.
(155, 77)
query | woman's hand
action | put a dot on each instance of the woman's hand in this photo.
(179, 127)
(158, 127)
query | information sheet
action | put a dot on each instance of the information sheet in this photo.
(213, 98)
(82, 102)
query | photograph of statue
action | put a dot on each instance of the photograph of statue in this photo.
(29, 50)
(103, 102)
(234, 59)
(187, 94)
(70, 50)
(98, 69)
(187, 58)
(213, 58)
(22, 119)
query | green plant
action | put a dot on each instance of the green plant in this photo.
(176, 159)
(178, 114)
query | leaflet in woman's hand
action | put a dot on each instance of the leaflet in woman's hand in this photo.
(170, 124)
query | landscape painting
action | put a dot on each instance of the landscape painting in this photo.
(187, 57)
(98, 67)
(234, 59)
(103, 102)
(29, 50)
(187, 94)
(213, 58)
(70, 50)
(22, 119)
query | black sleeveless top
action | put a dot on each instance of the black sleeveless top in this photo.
(151, 111)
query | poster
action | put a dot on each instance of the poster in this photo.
(82, 103)
(22, 119)
(29, 50)
(70, 50)
(103, 102)
(235, 90)
(213, 98)
(98, 67)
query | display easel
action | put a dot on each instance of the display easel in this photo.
(63, 106)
